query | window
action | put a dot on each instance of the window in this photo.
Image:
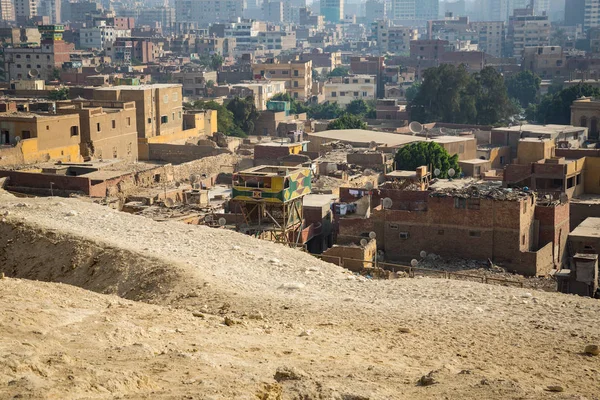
(149, 120)
(295, 83)
(523, 240)
(460, 203)
(47, 127)
(295, 72)
(394, 226)
(334, 94)
(25, 134)
(355, 94)
(285, 72)
(475, 233)
(114, 124)
(403, 235)
(164, 119)
(367, 81)
(354, 80)
(74, 131)
(579, 179)
(473, 204)
(166, 99)
(501, 160)
(364, 94)
(128, 121)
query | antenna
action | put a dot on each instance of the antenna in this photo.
(443, 131)
(99, 68)
(222, 221)
(415, 127)
(387, 203)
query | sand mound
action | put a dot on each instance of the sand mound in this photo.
(237, 318)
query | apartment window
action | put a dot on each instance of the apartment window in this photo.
(355, 94)
(179, 114)
(473, 204)
(295, 95)
(342, 94)
(475, 233)
(173, 116)
(403, 235)
(74, 131)
(365, 94)
(47, 127)
(164, 119)
(295, 83)
(354, 80)
(25, 134)
(128, 121)
(114, 124)
(334, 94)
(295, 72)
(149, 120)
(175, 96)
(98, 126)
(394, 227)
(18, 65)
(367, 81)
(18, 56)
(460, 203)
(523, 240)
(166, 99)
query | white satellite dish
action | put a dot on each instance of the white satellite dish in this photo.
(443, 131)
(437, 172)
(169, 202)
(414, 262)
(415, 127)
(33, 73)
(267, 75)
(369, 185)
(451, 172)
(222, 221)
(197, 186)
(423, 254)
(368, 172)
(208, 218)
(372, 235)
(363, 242)
(387, 203)
(99, 68)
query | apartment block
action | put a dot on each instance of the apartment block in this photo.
(491, 37)
(206, 12)
(395, 39)
(546, 61)
(344, 90)
(526, 30)
(25, 10)
(261, 91)
(194, 81)
(332, 10)
(296, 74)
(100, 37)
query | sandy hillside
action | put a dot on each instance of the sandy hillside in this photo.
(237, 318)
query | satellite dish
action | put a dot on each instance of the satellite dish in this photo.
(443, 131)
(415, 127)
(192, 178)
(33, 73)
(368, 172)
(363, 242)
(451, 172)
(414, 263)
(369, 185)
(222, 221)
(437, 172)
(177, 184)
(208, 218)
(169, 202)
(387, 203)
(372, 144)
(17, 139)
(267, 75)
(372, 235)
(197, 186)
(99, 68)
(423, 254)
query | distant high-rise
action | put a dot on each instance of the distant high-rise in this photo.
(25, 10)
(332, 10)
(7, 11)
(426, 10)
(51, 8)
(408, 10)
(582, 12)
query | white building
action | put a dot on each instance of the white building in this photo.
(343, 90)
(261, 91)
(99, 37)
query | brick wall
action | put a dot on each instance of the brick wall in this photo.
(42, 181)
(175, 153)
(578, 212)
(515, 173)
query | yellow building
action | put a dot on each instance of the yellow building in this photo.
(27, 138)
(297, 76)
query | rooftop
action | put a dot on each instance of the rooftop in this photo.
(364, 137)
(141, 87)
(474, 161)
(281, 144)
(552, 130)
(271, 170)
(588, 228)
(317, 200)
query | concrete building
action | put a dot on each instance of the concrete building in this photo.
(206, 12)
(194, 81)
(159, 109)
(108, 128)
(491, 37)
(273, 11)
(52, 9)
(332, 10)
(585, 112)
(7, 10)
(297, 76)
(25, 10)
(395, 39)
(428, 49)
(526, 30)
(100, 37)
(33, 138)
(79, 11)
(375, 10)
(38, 62)
(546, 61)
(575, 12)
(262, 91)
(162, 16)
(343, 90)
(403, 10)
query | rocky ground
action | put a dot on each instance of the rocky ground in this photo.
(197, 313)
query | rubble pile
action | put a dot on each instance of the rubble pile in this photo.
(490, 190)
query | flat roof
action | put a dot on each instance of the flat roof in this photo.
(450, 139)
(270, 170)
(588, 228)
(474, 161)
(317, 200)
(363, 136)
(281, 144)
(542, 129)
(402, 174)
(140, 87)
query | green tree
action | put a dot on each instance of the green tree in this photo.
(296, 107)
(451, 94)
(556, 108)
(347, 121)
(216, 62)
(210, 83)
(524, 87)
(339, 71)
(56, 74)
(427, 153)
(324, 111)
(244, 113)
(411, 92)
(225, 121)
(59, 94)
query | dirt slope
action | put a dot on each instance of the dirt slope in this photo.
(341, 337)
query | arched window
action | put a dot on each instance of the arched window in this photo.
(583, 122)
